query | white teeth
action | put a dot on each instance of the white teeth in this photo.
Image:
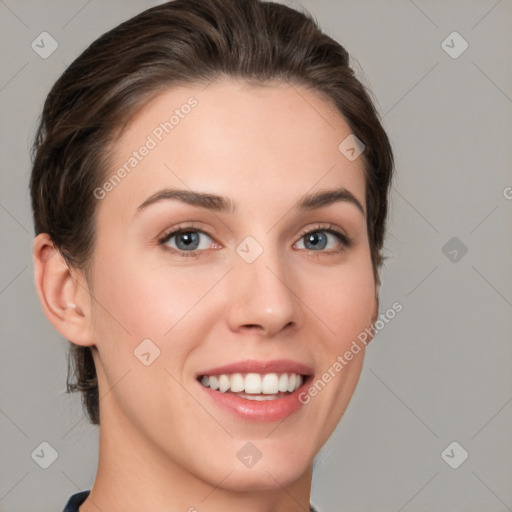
(258, 398)
(214, 383)
(270, 384)
(291, 382)
(254, 383)
(283, 383)
(237, 383)
(224, 383)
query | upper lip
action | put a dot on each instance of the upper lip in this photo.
(253, 366)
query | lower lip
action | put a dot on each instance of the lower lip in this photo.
(252, 410)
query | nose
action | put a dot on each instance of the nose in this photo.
(263, 296)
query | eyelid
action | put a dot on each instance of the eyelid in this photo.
(181, 228)
(162, 239)
(330, 228)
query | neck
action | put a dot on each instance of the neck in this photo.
(135, 474)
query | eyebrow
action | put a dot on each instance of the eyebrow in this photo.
(225, 205)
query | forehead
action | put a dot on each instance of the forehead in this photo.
(250, 142)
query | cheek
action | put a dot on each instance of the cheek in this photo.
(342, 298)
(139, 299)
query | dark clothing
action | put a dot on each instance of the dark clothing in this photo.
(77, 499)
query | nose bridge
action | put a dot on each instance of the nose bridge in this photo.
(262, 288)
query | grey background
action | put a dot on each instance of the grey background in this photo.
(440, 371)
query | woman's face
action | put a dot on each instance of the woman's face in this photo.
(256, 281)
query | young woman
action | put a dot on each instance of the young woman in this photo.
(209, 191)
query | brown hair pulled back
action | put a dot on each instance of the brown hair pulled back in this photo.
(178, 43)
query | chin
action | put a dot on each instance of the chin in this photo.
(268, 477)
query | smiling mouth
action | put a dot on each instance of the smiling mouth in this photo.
(254, 386)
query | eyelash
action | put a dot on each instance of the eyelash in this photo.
(345, 241)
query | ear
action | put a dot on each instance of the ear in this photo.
(64, 296)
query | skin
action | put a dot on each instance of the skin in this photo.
(163, 446)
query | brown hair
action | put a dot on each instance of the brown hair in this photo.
(178, 43)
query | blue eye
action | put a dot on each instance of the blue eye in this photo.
(190, 242)
(187, 240)
(318, 240)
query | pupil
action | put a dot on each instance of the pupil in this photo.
(317, 240)
(187, 239)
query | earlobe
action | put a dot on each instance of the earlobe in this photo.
(65, 301)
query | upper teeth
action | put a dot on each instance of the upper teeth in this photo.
(268, 384)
